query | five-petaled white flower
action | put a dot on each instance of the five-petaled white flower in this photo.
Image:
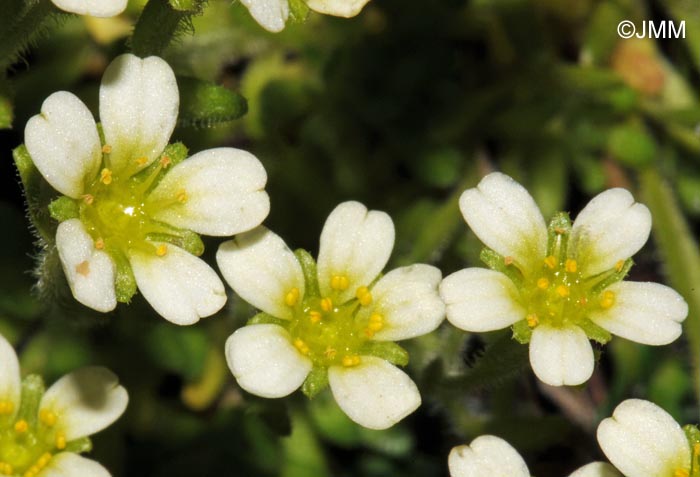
(341, 319)
(43, 436)
(137, 213)
(559, 286)
(272, 14)
(643, 440)
(93, 8)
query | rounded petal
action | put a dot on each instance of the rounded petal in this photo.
(478, 299)
(270, 14)
(596, 469)
(648, 313)
(85, 401)
(262, 270)
(139, 101)
(68, 464)
(561, 356)
(90, 272)
(506, 219)
(217, 192)
(10, 380)
(643, 440)
(264, 361)
(487, 456)
(179, 286)
(338, 8)
(64, 144)
(408, 301)
(375, 393)
(355, 243)
(612, 227)
(94, 8)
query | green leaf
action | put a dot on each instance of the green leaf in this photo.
(206, 104)
(632, 145)
(595, 332)
(303, 454)
(177, 349)
(6, 113)
(387, 350)
(315, 382)
(298, 11)
(160, 22)
(38, 194)
(308, 267)
(64, 208)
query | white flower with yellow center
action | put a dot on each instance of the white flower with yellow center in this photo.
(93, 8)
(132, 208)
(334, 323)
(272, 14)
(43, 433)
(561, 285)
(643, 440)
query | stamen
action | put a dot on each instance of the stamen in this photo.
(165, 162)
(6, 407)
(681, 473)
(550, 262)
(330, 353)
(88, 198)
(99, 244)
(5, 468)
(48, 418)
(607, 300)
(542, 283)
(508, 260)
(376, 322)
(21, 426)
(83, 268)
(351, 360)
(563, 291)
(532, 320)
(106, 149)
(571, 266)
(106, 176)
(315, 316)
(364, 296)
(182, 196)
(292, 297)
(162, 250)
(559, 230)
(583, 301)
(301, 346)
(327, 304)
(141, 161)
(60, 441)
(340, 282)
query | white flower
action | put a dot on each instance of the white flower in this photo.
(560, 286)
(643, 440)
(340, 320)
(487, 456)
(138, 213)
(596, 469)
(43, 436)
(273, 14)
(94, 8)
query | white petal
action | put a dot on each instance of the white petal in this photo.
(223, 193)
(610, 228)
(264, 361)
(338, 8)
(85, 401)
(506, 219)
(90, 272)
(478, 299)
(648, 313)
(10, 380)
(408, 301)
(561, 356)
(355, 243)
(94, 8)
(375, 393)
(68, 464)
(262, 270)
(64, 144)
(270, 14)
(138, 108)
(643, 440)
(596, 469)
(179, 286)
(487, 456)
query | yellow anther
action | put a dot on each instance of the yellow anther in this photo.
(571, 266)
(340, 282)
(583, 301)
(48, 418)
(326, 304)
(88, 198)
(550, 262)
(508, 260)
(696, 449)
(99, 244)
(681, 473)
(44, 459)
(165, 162)
(301, 346)
(162, 250)
(542, 283)
(364, 296)
(5, 468)
(532, 320)
(21, 426)
(376, 322)
(369, 333)
(83, 268)
(559, 230)
(60, 441)
(106, 149)
(619, 265)
(351, 360)
(330, 353)
(563, 291)
(106, 176)
(6, 407)
(182, 196)
(315, 316)
(608, 299)
(292, 297)
(141, 161)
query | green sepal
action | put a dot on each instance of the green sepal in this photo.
(184, 5)
(613, 278)
(185, 239)
(308, 267)
(496, 262)
(160, 22)
(558, 233)
(6, 112)
(315, 382)
(692, 433)
(522, 333)
(124, 282)
(206, 104)
(32, 391)
(79, 446)
(64, 208)
(263, 318)
(387, 350)
(298, 11)
(595, 332)
(37, 193)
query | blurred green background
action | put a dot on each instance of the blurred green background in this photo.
(401, 108)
